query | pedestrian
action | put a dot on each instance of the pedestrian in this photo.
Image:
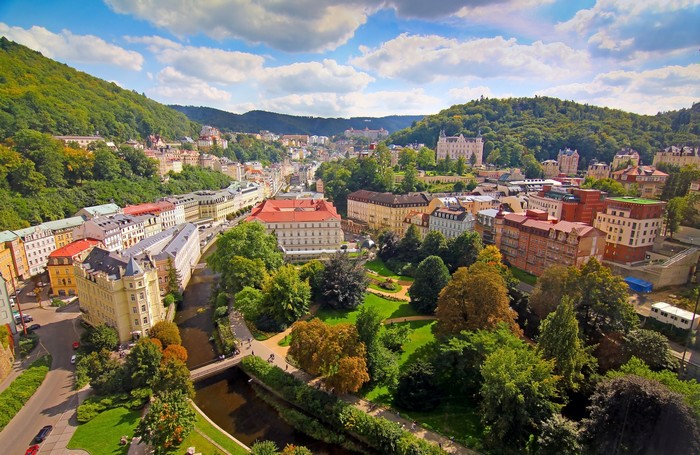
(286, 366)
(413, 425)
(440, 445)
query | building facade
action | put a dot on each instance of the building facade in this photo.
(550, 168)
(63, 229)
(302, 226)
(38, 243)
(625, 158)
(451, 222)
(678, 156)
(533, 244)
(420, 220)
(568, 161)
(384, 211)
(631, 225)
(578, 205)
(471, 149)
(13, 259)
(119, 292)
(60, 266)
(598, 170)
(646, 181)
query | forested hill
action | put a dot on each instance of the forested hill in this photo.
(542, 126)
(254, 121)
(41, 94)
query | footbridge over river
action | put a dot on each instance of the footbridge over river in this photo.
(215, 366)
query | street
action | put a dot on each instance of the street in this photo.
(55, 400)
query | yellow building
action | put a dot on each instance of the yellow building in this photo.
(119, 292)
(63, 229)
(12, 254)
(385, 211)
(60, 266)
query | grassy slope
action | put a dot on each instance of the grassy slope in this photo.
(101, 435)
(387, 308)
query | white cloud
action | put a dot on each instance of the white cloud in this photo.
(176, 87)
(310, 77)
(295, 26)
(645, 92)
(205, 63)
(466, 94)
(354, 104)
(637, 29)
(422, 59)
(68, 47)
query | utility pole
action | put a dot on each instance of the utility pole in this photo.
(19, 308)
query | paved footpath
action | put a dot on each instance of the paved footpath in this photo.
(263, 350)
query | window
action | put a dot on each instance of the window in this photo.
(141, 296)
(145, 320)
(136, 322)
(134, 309)
(133, 298)
(143, 307)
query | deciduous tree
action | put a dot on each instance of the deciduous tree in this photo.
(169, 420)
(434, 244)
(409, 245)
(475, 298)
(249, 303)
(519, 393)
(418, 388)
(100, 337)
(286, 296)
(651, 347)
(559, 436)
(175, 351)
(142, 364)
(462, 250)
(248, 240)
(431, 277)
(174, 375)
(552, 285)
(167, 332)
(244, 272)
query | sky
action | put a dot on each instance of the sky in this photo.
(342, 58)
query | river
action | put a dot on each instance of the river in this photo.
(227, 398)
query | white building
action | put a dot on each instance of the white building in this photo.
(103, 229)
(38, 243)
(677, 317)
(452, 222)
(471, 148)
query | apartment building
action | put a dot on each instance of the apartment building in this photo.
(38, 243)
(98, 210)
(533, 244)
(304, 227)
(489, 225)
(63, 229)
(631, 225)
(215, 205)
(177, 247)
(567, 160)
(471, 148)
(420, 220)
(578, 205)
(60, 266)
(13, 259)
(625, 158)
(119, 292)
(598, 170)
(384, 211)
(451, 222)
(103, 229)
(167, 213)
(186, 208)
(647, 181)
(678, 156)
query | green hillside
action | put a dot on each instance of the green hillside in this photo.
(255, 121)
(41, 94)
(542, 126)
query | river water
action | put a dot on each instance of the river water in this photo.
(227, 398)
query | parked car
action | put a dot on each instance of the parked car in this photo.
(72, 359)
(33, 450)
(26, 317)
(76, 345)
(43, 433)
(34, 327)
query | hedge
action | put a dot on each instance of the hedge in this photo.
(22, 388)
(382, 435)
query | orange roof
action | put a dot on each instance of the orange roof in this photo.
(148, 207)
(74, 248)
(294, 210)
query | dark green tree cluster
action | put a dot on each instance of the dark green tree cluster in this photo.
(344, 282)
(517, 127)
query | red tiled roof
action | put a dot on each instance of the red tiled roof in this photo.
(148, 207)
(296, 210)
(74, 248)
(640, 170)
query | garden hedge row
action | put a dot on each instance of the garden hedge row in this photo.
(382, 435)
(22, 388)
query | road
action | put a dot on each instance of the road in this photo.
(54, 402)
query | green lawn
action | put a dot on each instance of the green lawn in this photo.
(456, 418)
(101, 435)
(205, 447)
(286, 341)
(523, 276)
(387, 308)
(376, 287)
(377, 265)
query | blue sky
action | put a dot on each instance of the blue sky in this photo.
(340, 58)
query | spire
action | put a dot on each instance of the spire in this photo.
(132, 268)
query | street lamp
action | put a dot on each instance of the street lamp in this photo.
(19, 308)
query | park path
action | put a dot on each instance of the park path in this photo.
(263, 349)
(409, 319)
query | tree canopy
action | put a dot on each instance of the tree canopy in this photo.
(249, 241)
(344, 282)
(431, 277)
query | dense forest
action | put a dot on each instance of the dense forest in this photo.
(514, 127)
(255, 121)
(41, 94)
(42, 179)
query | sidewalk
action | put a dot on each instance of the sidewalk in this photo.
(260, 349)
(19, 366)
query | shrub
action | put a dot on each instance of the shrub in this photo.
(27, 343)
(95, 405)
(224, 338)
(58, 303)
(22, 388)
(220, 312)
